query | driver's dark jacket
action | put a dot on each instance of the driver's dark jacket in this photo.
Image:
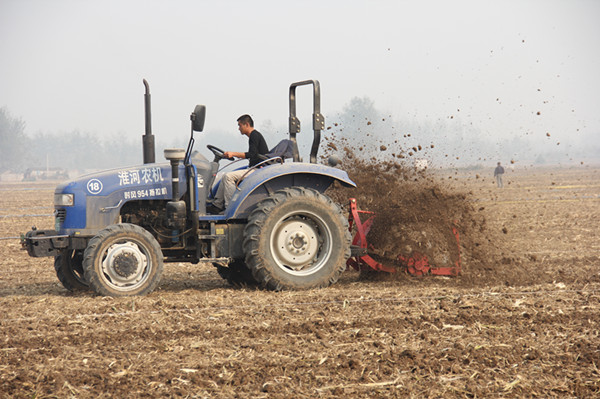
(256, 146)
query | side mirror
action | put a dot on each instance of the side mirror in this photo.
(197, 117)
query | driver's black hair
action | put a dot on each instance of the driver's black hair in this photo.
(246, 119)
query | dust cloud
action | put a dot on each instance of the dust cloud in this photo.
(416, 209)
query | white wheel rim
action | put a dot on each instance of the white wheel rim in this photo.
(125, 265)
(301, 243)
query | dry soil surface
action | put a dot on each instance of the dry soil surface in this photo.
(522, 319)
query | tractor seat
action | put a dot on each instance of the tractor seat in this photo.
(284, 150)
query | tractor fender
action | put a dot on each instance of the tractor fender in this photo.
(264, 181)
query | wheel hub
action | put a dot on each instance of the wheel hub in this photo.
(297, 243)
(124, 264)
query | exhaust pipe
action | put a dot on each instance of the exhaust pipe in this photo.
(148, 138)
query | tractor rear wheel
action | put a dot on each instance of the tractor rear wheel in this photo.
(297, 238)
(69, 270)
(123, 260)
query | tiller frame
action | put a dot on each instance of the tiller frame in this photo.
(416, 264)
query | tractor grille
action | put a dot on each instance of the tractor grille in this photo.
(59, 218)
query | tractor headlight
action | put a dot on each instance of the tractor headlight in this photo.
(64, 199)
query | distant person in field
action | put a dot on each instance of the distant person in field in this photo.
(498, 172)
(257, 146)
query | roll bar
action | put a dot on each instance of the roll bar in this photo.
(318, 119)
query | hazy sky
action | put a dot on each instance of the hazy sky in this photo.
(76, 64)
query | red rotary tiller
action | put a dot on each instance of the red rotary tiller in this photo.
(416, 264)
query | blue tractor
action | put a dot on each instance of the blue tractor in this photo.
(115, 229)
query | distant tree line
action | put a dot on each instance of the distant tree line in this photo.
(448, 141)
(82, 150)
(368, 131)
(13, 142)
(74, 151)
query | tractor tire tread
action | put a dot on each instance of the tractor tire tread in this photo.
(95, 245)
(66, 275)
(257, 222)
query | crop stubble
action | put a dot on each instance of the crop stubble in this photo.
(521, 321)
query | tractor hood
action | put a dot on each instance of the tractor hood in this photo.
(127, 180)
(94, 200)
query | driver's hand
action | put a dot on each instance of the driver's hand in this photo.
(228, 154)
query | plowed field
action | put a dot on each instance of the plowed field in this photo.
(524, 322)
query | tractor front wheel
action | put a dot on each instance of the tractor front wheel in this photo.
(123, 260)
(69, 270)
(297, 238)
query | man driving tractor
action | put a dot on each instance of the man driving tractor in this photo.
(257, 146)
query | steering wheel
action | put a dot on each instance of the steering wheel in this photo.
(219, 153)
